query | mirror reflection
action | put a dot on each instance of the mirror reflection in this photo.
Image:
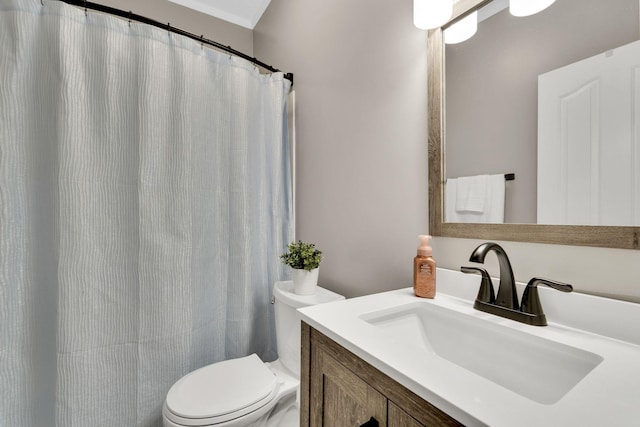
(550, 101)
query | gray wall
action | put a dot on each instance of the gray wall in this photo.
(362, 169)
(492, 87)
(360, 82)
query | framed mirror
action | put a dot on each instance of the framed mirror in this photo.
(524, 228)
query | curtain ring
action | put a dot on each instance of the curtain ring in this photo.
(202, 41)
(130, 14)
(169, 28)
(85, 8)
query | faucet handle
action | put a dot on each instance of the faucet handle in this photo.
(485, 294)
(530, 299)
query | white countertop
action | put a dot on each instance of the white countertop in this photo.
(608, 396)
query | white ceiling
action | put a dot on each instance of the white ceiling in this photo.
(245, 13)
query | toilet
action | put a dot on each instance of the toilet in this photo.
(247, 391)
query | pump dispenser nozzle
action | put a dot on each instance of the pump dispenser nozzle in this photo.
(424, 249)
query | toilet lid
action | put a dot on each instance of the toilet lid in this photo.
(223, 389)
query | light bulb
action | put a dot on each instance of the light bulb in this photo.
(462, 30)
(429, 14)
(528, 7)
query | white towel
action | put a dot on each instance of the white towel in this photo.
(493, 205)
(473, 192)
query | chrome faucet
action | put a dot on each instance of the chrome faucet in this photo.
(505, 303)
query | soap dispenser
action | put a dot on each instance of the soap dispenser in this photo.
(424, 270)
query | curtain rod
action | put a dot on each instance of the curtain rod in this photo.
(143, 19)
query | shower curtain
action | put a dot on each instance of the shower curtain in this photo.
(145, 197)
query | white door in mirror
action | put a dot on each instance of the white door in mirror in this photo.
(587, 122)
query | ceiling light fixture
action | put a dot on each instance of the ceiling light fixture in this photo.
(462, 30)
(528, 7)
(429, 14)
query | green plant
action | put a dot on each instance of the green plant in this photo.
(302, 255)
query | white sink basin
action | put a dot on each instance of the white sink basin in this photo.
(581, 370)
(533, 367)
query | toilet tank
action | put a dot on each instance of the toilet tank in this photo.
(288, 320)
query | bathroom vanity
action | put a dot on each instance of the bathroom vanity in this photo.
(344, 390)
(407, 361)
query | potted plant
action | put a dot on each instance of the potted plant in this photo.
(304, 259)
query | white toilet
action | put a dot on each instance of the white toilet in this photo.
(247, 391)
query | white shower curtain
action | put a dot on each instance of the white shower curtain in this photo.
(144, 200)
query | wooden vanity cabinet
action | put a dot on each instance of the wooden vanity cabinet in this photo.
(338, 389)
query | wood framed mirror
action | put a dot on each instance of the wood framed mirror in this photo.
(627, 237)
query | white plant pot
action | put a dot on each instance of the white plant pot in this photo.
(305, 282)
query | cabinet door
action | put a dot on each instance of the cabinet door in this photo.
(339, 398)
(399, 418)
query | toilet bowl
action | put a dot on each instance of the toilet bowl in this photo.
(247, 391)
